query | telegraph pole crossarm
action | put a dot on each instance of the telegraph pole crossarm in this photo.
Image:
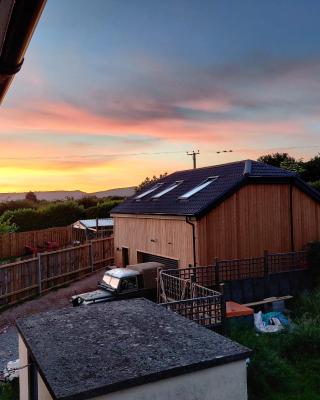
(194, 157)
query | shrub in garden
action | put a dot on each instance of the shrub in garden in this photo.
(25, 219)
(101, 210)
(313, 254)
(61, 214)
(55, 214)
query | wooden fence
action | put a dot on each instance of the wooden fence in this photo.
(246, 280)
(245, 268)
(25, 279)
(13, 244)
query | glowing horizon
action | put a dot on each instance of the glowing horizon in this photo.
(126, 97)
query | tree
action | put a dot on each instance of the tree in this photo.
(315, 185)
(88, 201)
(293, 165)
(30, 196)
(312, 169)
(276, 159)
(148, 180)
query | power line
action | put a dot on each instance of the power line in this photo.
(92, 156)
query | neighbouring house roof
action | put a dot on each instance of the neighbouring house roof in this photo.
(225, 180)
(92, 223)
(85, 352)
(18, 20)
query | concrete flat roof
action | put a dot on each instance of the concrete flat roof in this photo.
(93, 350)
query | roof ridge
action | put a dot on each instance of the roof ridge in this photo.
(211, 166)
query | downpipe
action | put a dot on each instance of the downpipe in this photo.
(188, 221)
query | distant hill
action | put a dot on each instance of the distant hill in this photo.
(64, 194)
(121, 192)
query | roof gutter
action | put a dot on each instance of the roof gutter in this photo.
(18, 20)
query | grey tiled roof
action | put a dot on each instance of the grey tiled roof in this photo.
(230, 177)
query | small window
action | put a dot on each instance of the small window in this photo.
(198, 188)
(155, 187)
(129, 283)
(166, 190)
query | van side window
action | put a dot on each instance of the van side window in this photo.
(128, 283)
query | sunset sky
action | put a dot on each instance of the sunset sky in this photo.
(112, 91)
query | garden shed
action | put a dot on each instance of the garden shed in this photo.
(230, 211)
(127, 350)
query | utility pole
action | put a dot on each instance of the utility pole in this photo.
(194, 157)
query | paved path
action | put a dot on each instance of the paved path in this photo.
(51, 301)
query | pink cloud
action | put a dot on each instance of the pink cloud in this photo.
(64, 118)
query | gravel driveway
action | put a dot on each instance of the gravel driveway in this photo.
(51, 301)
(8, 345)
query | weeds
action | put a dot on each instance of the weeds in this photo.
(285, 366)
(9, 391)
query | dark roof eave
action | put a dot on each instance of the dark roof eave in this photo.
(22, 22)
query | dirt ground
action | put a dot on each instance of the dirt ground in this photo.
(51, 301)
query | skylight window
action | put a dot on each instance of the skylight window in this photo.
(197, 189)
(155, 187)
(166, 190)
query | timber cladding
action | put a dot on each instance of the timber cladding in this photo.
(168, 237)
(306, 218)
(273, 217)
(277, 217)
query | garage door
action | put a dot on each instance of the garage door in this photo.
(168, 262)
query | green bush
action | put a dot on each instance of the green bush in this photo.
(25, 219)
(268, 371)
(315, 185)
(285, 366)
(307, 305)
(105, 207)
(61, 214)
(16, 205)
(88, 201)
(304, 338)
(6, 227)
(55, 214)
(9, 391)
(102, 209)
(313, 254)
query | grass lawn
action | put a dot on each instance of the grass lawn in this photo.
(285, 366)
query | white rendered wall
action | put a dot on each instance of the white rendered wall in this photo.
(23, 373)
(225, 382)
(43, 393)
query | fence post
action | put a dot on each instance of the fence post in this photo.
(266, 272)
(216, 272)
(39, 274)
(91, 256)
(223, 308)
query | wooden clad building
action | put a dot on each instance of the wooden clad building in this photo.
(234, 210)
